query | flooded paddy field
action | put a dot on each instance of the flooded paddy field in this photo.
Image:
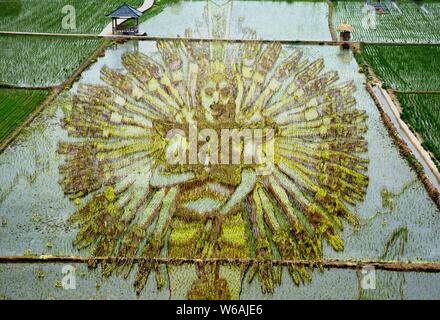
(396, 211)
(44, 282)
(91, 180)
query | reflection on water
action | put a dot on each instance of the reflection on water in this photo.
(345, 54)
(386, 285)
(276, 20)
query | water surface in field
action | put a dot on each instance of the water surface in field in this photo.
(31, 281)
(34, 210)
(276, 20)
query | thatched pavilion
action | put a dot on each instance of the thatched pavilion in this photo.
(130, 20)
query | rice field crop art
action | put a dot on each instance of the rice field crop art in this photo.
(115, 181)
(214, 169)
(403, 21)
(279, 208)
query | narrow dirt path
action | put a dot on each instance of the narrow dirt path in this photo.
(13, 86)
(197, 39)
(413, 143)
(418, 266)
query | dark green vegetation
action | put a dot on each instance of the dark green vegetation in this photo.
(422, 113)
(413, 71)
(42, 61)
(15, 106)
(10, 8)
(406, 22)
(47, 16)
(405, 67)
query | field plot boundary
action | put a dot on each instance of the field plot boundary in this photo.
(14, 134)
(413, 139)
(197, 39)
(51, 96)
(432, 190)
(17, 87)
(90, 15)
(391, 265)
(405, 151)
(405, 23)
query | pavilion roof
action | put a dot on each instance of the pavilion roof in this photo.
(344, 27)
(125, 11)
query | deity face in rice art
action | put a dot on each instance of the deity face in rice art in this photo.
(141, 206)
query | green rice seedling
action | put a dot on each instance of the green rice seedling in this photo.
(15, 106)
(42, 61)
(33, 16)
(407, 22)
(422, 113)
(405, 67)
(210, 210)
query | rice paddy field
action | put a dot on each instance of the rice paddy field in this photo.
(407, 70)
(396, 206)
(422, 112)
(47, 16)
(405, 67)
(34, 61)
(106, 177)
(406, 21)
(15, 106)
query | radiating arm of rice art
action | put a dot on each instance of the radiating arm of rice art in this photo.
(282, 206)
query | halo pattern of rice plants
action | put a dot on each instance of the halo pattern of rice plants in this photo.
(139, 204)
